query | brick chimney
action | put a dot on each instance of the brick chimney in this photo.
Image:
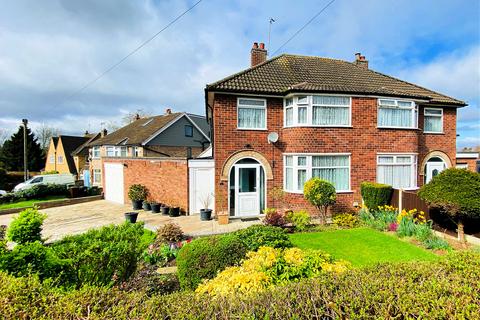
(258, 54)
(360, 60)
(168, 111)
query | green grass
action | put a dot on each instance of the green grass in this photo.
(29, 203)
(362, 246)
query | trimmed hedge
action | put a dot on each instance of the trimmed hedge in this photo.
(375, 194)
(203, 258)
(447, 289)
(257, 236)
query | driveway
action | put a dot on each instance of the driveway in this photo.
(78, 218)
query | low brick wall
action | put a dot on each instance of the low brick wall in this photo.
(54, 203)
(165, 178)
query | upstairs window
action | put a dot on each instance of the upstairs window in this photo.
(60, 159)
(188, 131)
(397, 114)
(433, 120)
(51, 159)
(318, 111)
(251, 114)
(96, 152)
(113, 151)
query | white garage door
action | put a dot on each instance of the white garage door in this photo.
(202, 184)
(114, 182)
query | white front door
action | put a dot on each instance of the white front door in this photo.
(247, 182)
(433, 169)
(114, 182)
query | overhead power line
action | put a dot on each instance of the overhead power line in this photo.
(143, 44)
(304, 26)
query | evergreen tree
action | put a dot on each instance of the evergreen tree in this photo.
(11, 154)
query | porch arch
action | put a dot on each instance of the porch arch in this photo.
(227, 166)
(435, 154)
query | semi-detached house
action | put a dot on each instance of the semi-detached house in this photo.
(287, 119)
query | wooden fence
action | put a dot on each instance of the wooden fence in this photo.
(409, 200)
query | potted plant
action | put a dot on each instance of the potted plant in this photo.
(155, 207)
(131, 217)
(174, 211)
(146, 205)
(137, 193)
(206, 213)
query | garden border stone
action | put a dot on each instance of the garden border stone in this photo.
(54, 203)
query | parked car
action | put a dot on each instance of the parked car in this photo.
(67, 179)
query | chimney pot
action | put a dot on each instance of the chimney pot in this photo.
(103, 133)
(137, 116)
(168, 111)
(262, 45)
(255, 45)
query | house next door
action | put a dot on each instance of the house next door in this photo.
(247, 189)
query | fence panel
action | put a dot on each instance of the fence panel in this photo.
(409, 200)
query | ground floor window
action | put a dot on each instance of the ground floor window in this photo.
(397, 170)
(97, 176)
(299, 168)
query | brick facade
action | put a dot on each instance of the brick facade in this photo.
(471, 163)
(363, 140)
(165, 179)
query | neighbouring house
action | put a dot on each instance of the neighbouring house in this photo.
(287, 119)
(153, 151)
(468, 160)
(59, 155)
(81, 158)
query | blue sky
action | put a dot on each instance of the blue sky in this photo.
(49, 49)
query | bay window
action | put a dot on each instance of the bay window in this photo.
(397, 114)
(251, 114)
(398, 170)
(302, 167)
(318, 111)
(433, 120)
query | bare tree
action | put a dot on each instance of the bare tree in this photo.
(132, 116)
(44, 133)
(4, 135)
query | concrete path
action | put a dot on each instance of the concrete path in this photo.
(78, 218)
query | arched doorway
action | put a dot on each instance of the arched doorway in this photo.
(433, 167)
(247, 188)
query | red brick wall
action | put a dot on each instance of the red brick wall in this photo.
(471, 163)
(363, 140)
(166, 180)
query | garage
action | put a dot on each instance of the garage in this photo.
(113, 185)
(201, 184)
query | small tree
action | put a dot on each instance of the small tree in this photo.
(26, 227)
(321, 194)
(457, 192)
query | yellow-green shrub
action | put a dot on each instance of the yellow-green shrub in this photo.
(347, 220)
(268, 267)
(300, 219)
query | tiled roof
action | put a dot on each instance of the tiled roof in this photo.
(293, 73)
(70, 143)
(136, 132)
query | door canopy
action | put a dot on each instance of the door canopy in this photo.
(246, 154)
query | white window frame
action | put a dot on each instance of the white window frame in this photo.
(413, 108)
(117, 151)
(94, 173)
(94, 152)
(51, 159)
(461, 166)
(309, 105)
(309, 169)
(425, 110)
(252, 107)
(413, 164)
(60, 159)
(136, 152)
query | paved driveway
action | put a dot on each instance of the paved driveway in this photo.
(80, 217)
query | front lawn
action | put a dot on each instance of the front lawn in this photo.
(362, 246)
(30, 203)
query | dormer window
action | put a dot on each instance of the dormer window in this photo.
(397, 114)
(318, 111)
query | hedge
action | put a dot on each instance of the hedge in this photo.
(375, 195)
(446, 289)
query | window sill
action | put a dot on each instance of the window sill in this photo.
(252, 129)
(397, 128)
(430, 132)
(337, 192)
(318, 126)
